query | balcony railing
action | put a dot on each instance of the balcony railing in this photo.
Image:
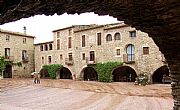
(69, 61)
(129, 58)
(25, 59)
(90, 61)
(9, 58)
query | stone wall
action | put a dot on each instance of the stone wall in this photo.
(39, 54)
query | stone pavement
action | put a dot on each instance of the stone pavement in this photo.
(22, 94)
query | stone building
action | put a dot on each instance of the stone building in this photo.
(77, 46)
(17, 47)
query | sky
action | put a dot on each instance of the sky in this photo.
(41, 26)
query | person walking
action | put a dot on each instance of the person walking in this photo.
(35, 78)
(38, 78)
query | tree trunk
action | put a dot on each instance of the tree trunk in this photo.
(1, 76)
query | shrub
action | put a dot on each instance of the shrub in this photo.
(3, 64)
(52, 69)
(104, 70)
(142, 79)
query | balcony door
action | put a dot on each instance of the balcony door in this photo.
(92, 56)
(130, 52)
(7, 53)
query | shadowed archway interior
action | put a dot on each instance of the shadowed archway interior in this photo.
(161, 75)
(90, 74)
(65, 73)
(44, 74)
(124, 74)
(8, 71)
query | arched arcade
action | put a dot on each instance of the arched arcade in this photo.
(89, 74)
(64, 73)
(44, 74)
(124, 74)
(161, 75)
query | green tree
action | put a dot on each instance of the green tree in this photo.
(3, 64)
(104, 70)
(52, 69)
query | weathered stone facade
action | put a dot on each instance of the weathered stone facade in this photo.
(105, 52)
(159, 18)
(17, 47)
(41, 55)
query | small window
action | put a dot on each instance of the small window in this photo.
(46, 47)
(117, 36)
(24, 40)
(132, 33)
(50, 46)
(109, 37)
(58, 44)
(83, 56)
(58, 34)
(98, 38)
(83, 41)
(7, 38)
(70, 32)
(118, 52)
(61, 56)
(70, 57)
(145, 50)
(41, 47)
(42, 60)
(24, 55)
(69, 42)
(49, 59)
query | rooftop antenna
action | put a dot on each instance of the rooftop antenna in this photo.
(24, 28)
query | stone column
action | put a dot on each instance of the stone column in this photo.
(174, 65)
(169, 46)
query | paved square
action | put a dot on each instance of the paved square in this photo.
(80, 95)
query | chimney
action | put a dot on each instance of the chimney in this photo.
(24, 28)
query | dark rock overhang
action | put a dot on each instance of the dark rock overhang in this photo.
(156, 17)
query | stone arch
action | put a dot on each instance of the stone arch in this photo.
(124, 74)
(129, 46)
(44, 74)
(64, 73)
(81, 75)
(161, 75)
(89, 74)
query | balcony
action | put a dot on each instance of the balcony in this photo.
(25, 59)
(90, 61)
(129, 58)
(69, 61)
(9, 58)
